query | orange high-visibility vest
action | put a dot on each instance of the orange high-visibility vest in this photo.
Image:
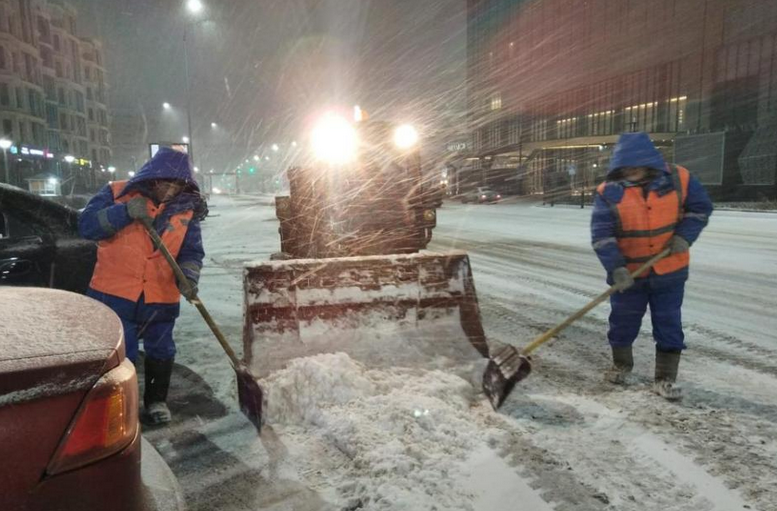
(128, 264)
(645, 225)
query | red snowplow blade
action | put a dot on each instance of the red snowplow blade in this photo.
(399, 310)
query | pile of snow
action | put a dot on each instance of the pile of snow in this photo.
(405, 434)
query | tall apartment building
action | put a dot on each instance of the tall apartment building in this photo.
(52, 95)
(96, 101)
(552, 83)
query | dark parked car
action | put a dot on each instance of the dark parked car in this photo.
(69, 433)
(481, 195)
(40, 245)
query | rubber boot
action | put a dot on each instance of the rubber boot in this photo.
(158, 373)
(622, 364)
(667, 363)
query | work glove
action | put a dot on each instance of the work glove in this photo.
(622, 279)
(136, 208)
(188, 291)
(678, 245)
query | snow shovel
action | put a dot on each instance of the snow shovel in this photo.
(508, 366)
(249, 392)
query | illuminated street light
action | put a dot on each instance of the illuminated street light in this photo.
(166, 105)
(185, 140)
(275, 148)
(196, 169)
(194, 6)
(256, 157)
(111, 169)
(405, 137)
(70, 158)
(267, 158)
(294, 144)
(131, 174)
(53, 181)
(214, 125)
(5, 144)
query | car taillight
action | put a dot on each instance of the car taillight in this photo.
(106, 422)
(498, 196)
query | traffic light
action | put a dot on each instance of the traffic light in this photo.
(252, 170)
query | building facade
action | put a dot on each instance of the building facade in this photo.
(52, 96)
(552, 83)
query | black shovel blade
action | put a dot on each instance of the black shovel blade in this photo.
(250, 396)
(505, 369)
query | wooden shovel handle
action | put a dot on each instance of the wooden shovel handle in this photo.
(195, 300)
(542, 339)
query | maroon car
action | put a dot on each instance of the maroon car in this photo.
(69, 433)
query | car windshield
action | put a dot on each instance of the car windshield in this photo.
(384, 209)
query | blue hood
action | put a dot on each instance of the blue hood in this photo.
(166, 164)
(635, 150)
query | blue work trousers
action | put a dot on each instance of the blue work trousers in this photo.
(151, 323)
(665, 298)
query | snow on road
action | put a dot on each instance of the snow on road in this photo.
(349, 437)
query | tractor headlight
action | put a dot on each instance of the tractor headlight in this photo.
(334, 140)
(405, 137)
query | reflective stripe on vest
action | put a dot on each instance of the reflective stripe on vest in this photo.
(127, 263)
(644, 226)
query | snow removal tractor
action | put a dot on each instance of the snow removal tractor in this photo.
(350, 276)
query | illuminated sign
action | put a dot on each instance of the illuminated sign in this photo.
(31, 151)
(176, 146)
(455, 147)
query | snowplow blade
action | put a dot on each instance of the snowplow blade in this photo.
(384, 311)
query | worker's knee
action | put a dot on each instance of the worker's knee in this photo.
(158, 340)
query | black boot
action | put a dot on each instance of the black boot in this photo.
(158, 373)
(622, 364)
(667, 363)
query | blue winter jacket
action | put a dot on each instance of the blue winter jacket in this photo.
(637, 150)
(166, 164)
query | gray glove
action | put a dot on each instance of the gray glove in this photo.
(136, 208)
(678, 245)
(189, 292)
(622, 279)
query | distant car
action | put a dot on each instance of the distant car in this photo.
(69, 433)
(40, 245)
(481, 195)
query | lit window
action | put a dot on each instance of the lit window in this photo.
(496, 101)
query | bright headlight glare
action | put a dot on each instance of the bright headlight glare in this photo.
(334, 140)
(405, 136)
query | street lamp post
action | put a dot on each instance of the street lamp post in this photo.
(6, 144)
(70, 159)
(194, 7)
(188, 90)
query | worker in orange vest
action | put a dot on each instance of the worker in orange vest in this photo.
(132, 277)
(644, 206)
